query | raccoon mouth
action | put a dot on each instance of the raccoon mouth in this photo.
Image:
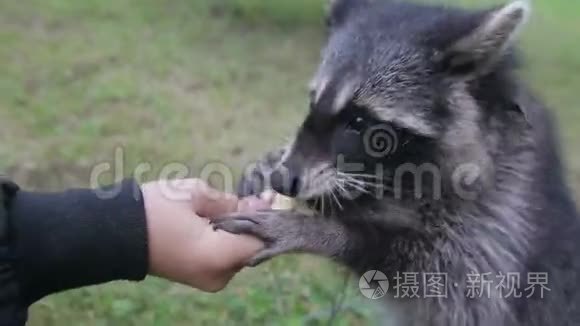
(332, 187)
(282, 202)
(319, 183)
(326, 183)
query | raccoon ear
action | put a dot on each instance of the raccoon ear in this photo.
(487, 44)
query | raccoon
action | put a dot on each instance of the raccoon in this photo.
(425, 152)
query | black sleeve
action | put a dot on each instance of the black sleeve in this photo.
(60, 241)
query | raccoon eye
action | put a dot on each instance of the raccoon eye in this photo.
(357, 124)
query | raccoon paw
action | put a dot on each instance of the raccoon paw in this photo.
(276, 231)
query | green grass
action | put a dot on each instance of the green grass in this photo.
(196, 82)
(285, 13)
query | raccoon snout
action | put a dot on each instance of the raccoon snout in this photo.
(287, 183)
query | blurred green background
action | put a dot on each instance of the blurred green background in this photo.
(199, 81)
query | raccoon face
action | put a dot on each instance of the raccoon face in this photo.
(400, 85)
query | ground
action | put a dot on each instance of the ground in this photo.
(184, 81)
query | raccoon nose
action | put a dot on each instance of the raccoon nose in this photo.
(287, 184)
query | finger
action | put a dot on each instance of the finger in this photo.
(210, 207)
(269, 196)
(208, 202)
(253, 204)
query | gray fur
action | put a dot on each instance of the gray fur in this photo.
(446, 77)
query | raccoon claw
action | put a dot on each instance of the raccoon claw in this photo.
(263, 257)
(238, 225)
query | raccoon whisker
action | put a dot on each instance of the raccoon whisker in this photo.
(353, 181)
(346, 181)
(342, 182)
(336, 200)
(360, 174)
(345, 184)
(357, 186)
(360, 185)
(353, 192)
(337, 186)
(358, 182)
(372, 188)
(377, 183)
(363, 190)
(351, 177)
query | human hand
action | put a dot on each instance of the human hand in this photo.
(183, 246)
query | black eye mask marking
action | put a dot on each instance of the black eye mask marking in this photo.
(358, 125)
(359, 137)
